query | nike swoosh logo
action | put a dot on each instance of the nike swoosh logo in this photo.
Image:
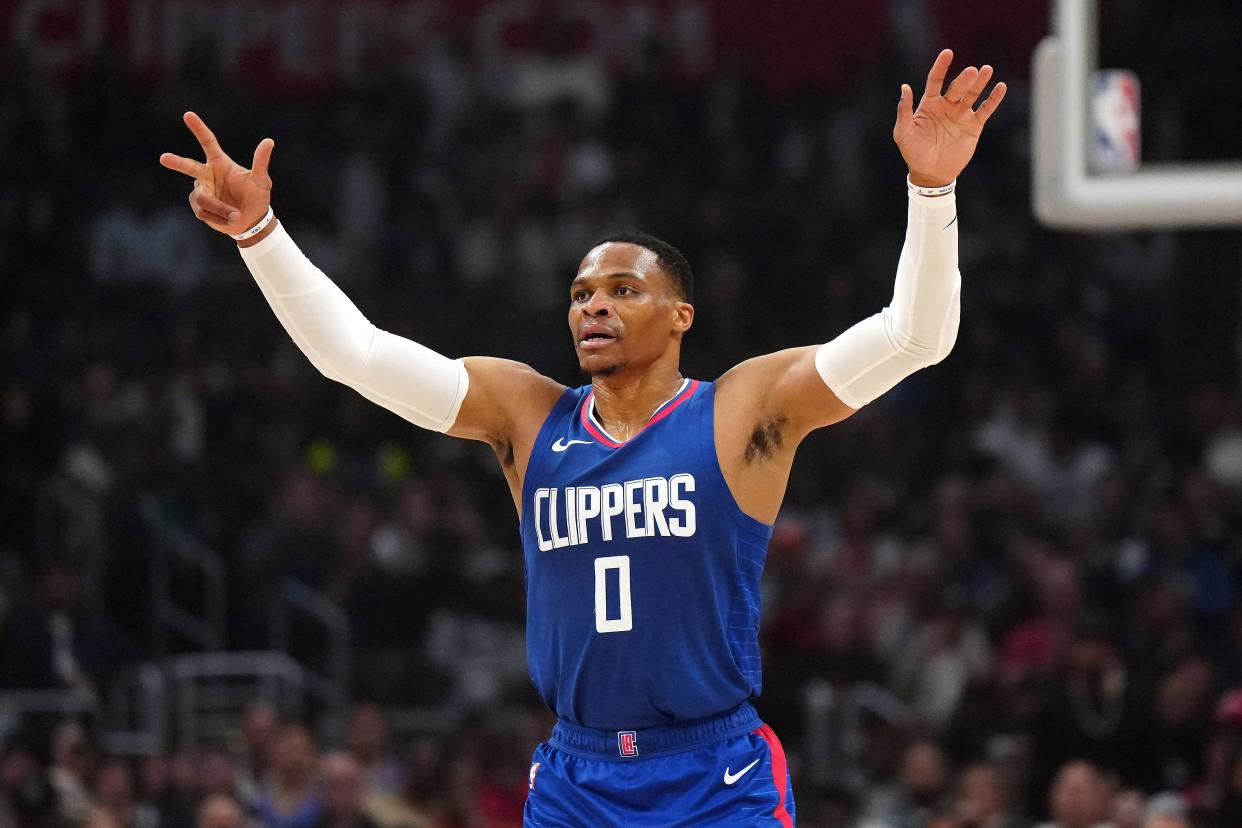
(730, 778)
(561, 444)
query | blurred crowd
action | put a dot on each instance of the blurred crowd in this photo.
(271, 773)
(1007, 592)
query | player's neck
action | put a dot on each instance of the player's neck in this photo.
(624, 403)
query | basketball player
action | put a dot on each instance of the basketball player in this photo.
(646, 499)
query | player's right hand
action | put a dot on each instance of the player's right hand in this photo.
(226, 196)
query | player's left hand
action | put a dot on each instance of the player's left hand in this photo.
(938, 139)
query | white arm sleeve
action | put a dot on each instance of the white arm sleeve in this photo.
(919, 326)
(412, 381)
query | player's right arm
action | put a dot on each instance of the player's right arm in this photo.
(496, 401)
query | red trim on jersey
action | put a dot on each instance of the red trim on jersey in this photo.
(664, 411)
(779, 774)
(590, 426)
(668, 409)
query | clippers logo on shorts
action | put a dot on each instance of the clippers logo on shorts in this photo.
(627, 743)
(651, 507)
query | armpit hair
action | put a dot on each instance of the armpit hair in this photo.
(504, 450)
(767, 438)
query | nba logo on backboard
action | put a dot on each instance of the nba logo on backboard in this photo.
(1115, 114)
(627, 743)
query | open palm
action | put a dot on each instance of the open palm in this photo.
(938, 139)
(226, 196)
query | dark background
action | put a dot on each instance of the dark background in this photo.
(1023, 556)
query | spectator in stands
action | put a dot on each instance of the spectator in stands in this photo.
(1038, 644)
(343, 793)
(413, 806)
(55, 640)
(217, 772)
(1207, 794)
(1229, 812)
(20, 774)
(940, 660)
(156, 794)
(1166, 810)
(983, 800)
(258, 731)
(220, 811)
(183, 796)
(1161, 623)
(1166, 821)
(1079, 798)
(490, 772)
(100, 817)
(34, 805)
(290, 799)
(73, 759)
(114, 793)
(460, 805)
(369, 742)
(1097, 709)
(1127, 809)
(1183, 711)
(138, 242)
(922, 791)
(882, 734)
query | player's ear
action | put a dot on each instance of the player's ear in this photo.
(683, 316)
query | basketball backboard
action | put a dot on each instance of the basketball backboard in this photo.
(1065, 193)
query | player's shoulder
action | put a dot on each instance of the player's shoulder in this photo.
(783, 386)
(512, 374)
(753, 377)
(505, 398)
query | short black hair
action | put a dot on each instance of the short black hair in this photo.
(671, 260)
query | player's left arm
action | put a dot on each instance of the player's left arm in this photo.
(801, 389)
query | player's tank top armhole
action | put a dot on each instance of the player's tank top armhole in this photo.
(707, 420)
(561, 413)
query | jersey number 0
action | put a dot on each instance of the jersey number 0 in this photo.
(625, 622)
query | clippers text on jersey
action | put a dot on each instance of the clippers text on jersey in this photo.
(648, 507)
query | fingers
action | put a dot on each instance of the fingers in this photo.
(211, 209)
(262, 157)
(188, 166)
(993, 100)
(206, 138)
(905, 106)
(976, 89)
(960, 88)
(214, 219)
(939, 71)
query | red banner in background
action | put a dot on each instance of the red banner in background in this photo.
(307, 45)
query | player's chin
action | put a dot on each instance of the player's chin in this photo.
(594, 365)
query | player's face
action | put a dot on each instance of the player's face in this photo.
(622, 310)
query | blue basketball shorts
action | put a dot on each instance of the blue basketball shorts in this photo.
(725, 771)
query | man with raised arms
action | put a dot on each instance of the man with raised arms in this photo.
(646, 499)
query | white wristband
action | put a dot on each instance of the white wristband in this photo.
(258, 228)
(932, 191)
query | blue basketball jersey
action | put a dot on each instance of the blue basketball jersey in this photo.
(642, 573)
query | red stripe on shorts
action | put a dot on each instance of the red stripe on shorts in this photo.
(779, 774)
